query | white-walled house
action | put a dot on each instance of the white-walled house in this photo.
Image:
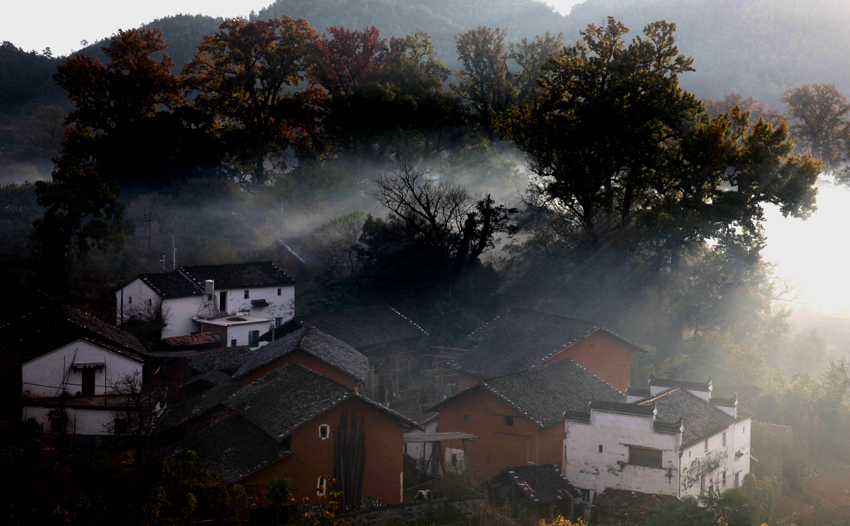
(76, 371)
(671, 439)
(187, 296)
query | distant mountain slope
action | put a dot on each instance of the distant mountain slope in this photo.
(756, 47)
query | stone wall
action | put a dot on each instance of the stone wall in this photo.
(415, 511)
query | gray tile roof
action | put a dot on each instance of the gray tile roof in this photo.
(287, 398)
(701, 419)
(213, 377)
(367, 326)
(545, 393)
(315, 343)
(541, 484)
(197, 405)
(230, 449)
(693, 386)
(227, 360)
(52, 325)
(189, 281)
(521, 339)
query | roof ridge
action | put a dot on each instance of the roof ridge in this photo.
(660, 395)
(595, 376)
(187, 276)
(407, 319)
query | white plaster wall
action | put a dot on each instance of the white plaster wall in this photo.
(138, 299)
(240, 332)
(43, 376)
(280, 306)
(712, 463)
(178, 314)
(587, 468)
(80, 421)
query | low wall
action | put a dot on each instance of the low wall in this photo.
(415, 511)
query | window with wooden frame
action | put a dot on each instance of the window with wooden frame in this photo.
(641, 456)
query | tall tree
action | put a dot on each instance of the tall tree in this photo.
(348, 58)
(531, 56)
(130, 117)
(82, 213)
(819, 114)
(633, 174)
(249, 77)
(484, 81)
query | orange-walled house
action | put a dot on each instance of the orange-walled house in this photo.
(312, 349)
(287, 424)
(522, 339)
(518, 418)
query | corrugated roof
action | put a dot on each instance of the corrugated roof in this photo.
(367, 326)
(521, 339)
(314, 342)
(189, 280)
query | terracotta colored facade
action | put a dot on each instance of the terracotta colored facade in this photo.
(607, 357)
(313, 457)
(308, 361)
(506, 438)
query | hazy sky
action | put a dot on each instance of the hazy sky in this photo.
(62, 24)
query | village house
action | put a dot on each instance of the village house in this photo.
(518, 418)
(75, 371)
(533, 491)
(237, 301)
(312, 349)
(674, 439)
(385, 336)
(522, 339)
(298, 424)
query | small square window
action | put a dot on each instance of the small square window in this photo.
(247, 294)
(600, 448)
(233, 342)
(278, 292)
(509, 420)
(324, 431)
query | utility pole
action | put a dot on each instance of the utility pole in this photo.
(173, 253)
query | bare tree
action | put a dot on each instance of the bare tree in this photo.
(335, 243)
(456, 227)
(138, 408)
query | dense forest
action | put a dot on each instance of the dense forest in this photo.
(453, 159)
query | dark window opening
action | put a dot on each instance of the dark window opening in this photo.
(278, 322)
(509, 420)
(324, 431)
(639, 456)
(247, 294)
(233, 342)
(278, 292)
(88, 382)
(600, 448)
(119, 426)
(724, 439)
(130, 300)
(706, 444)
(253, 338)
(222, 301)
(454, 459)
